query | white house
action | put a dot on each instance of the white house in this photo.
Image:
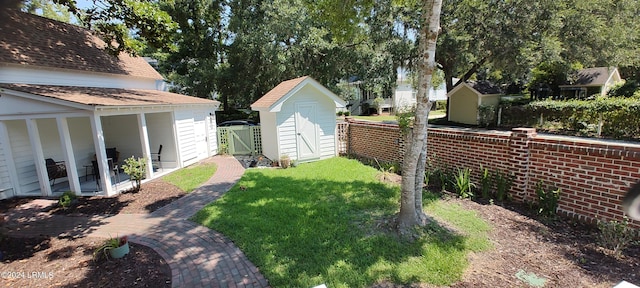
(298, 119)
(591, 81)
(62, 98)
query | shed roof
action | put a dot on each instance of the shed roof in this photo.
(596, 76)
(277, 93)
(27, 39)
(285, 89)
(107, 96)
(479, 87)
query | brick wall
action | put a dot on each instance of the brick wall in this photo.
(594, 175)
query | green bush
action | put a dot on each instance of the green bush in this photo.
(66, 199)
(616, 235)
(547, 200)
(485, 184)
(462, 183)
(136, 169)
(620, 116)
(503, 185)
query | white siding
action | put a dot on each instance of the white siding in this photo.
(325, 117)
(6, 188)
(269, 135)
(212, 134)
(160, 130)
(201, 134)
(23, 157)
(186, 137)
(11, 105)
(25, 75)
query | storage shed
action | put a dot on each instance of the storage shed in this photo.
(466, 98)
(298, 119)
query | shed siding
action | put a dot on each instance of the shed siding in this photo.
(269, 135)
(325, 122)
(464, 106)
(186, 137)
(23, 157)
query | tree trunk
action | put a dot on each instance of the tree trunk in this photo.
(409, 211)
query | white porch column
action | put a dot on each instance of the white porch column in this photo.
(176, 141)
(38, 156)
(69, 157)
(101, 155)
(144, 139)
(8, 154)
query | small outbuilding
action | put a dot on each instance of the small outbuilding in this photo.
(466, 99)
(298, 119)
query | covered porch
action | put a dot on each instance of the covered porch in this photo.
(85, 154)
(57, 138)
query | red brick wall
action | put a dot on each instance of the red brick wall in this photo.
(594, 175)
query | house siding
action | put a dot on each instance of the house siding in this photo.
(6, 188)
(186, 137)
(22, 75)
(23, 157)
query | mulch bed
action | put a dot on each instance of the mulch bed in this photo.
(67, 262)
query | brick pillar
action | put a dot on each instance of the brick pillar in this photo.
(519, 157)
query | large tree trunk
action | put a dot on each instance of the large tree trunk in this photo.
(410, 213)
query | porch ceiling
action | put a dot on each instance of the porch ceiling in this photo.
(94, 96)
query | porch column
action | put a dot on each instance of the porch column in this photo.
(38, 156)
(8, 154)
(144, 139)
(101, 155)
(176, 142)
(69, 157)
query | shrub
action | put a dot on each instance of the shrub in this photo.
(616, 235)
(347, 113)
(485, 184)
(66, 199)
(340, 113)
(619, 117)
(547, 200)
(487, 115)
(136, 169)
(503, 185)
(462, 183)
(223, 149)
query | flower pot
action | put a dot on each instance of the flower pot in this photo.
(285, 162)
(120, 251)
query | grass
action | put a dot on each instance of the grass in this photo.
(330, 222)
(191, 177)
(391, 118)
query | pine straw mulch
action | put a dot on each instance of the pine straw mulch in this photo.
(67, 262)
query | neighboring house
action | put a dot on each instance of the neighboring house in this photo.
(466, 98)
(405, 95)
(298, 119)
(591, 81)
(62, 98)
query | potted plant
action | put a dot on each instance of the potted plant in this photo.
(285, 161)
(113, 247)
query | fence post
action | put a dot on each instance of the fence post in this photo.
(519, 157)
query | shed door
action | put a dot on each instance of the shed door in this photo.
(306, 131)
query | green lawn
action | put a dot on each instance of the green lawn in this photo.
(329, 222)
(385, 118)
(191, 177)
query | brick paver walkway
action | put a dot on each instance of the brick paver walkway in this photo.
(198, 256)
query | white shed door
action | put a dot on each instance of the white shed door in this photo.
(306, 131)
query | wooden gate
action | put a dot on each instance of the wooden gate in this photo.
(240, 140)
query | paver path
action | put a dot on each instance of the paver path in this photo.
(198, 256)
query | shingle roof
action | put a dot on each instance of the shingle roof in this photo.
(27, 39)
(278, 92)
(485, 87)
(107, 96)
(596, 76)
